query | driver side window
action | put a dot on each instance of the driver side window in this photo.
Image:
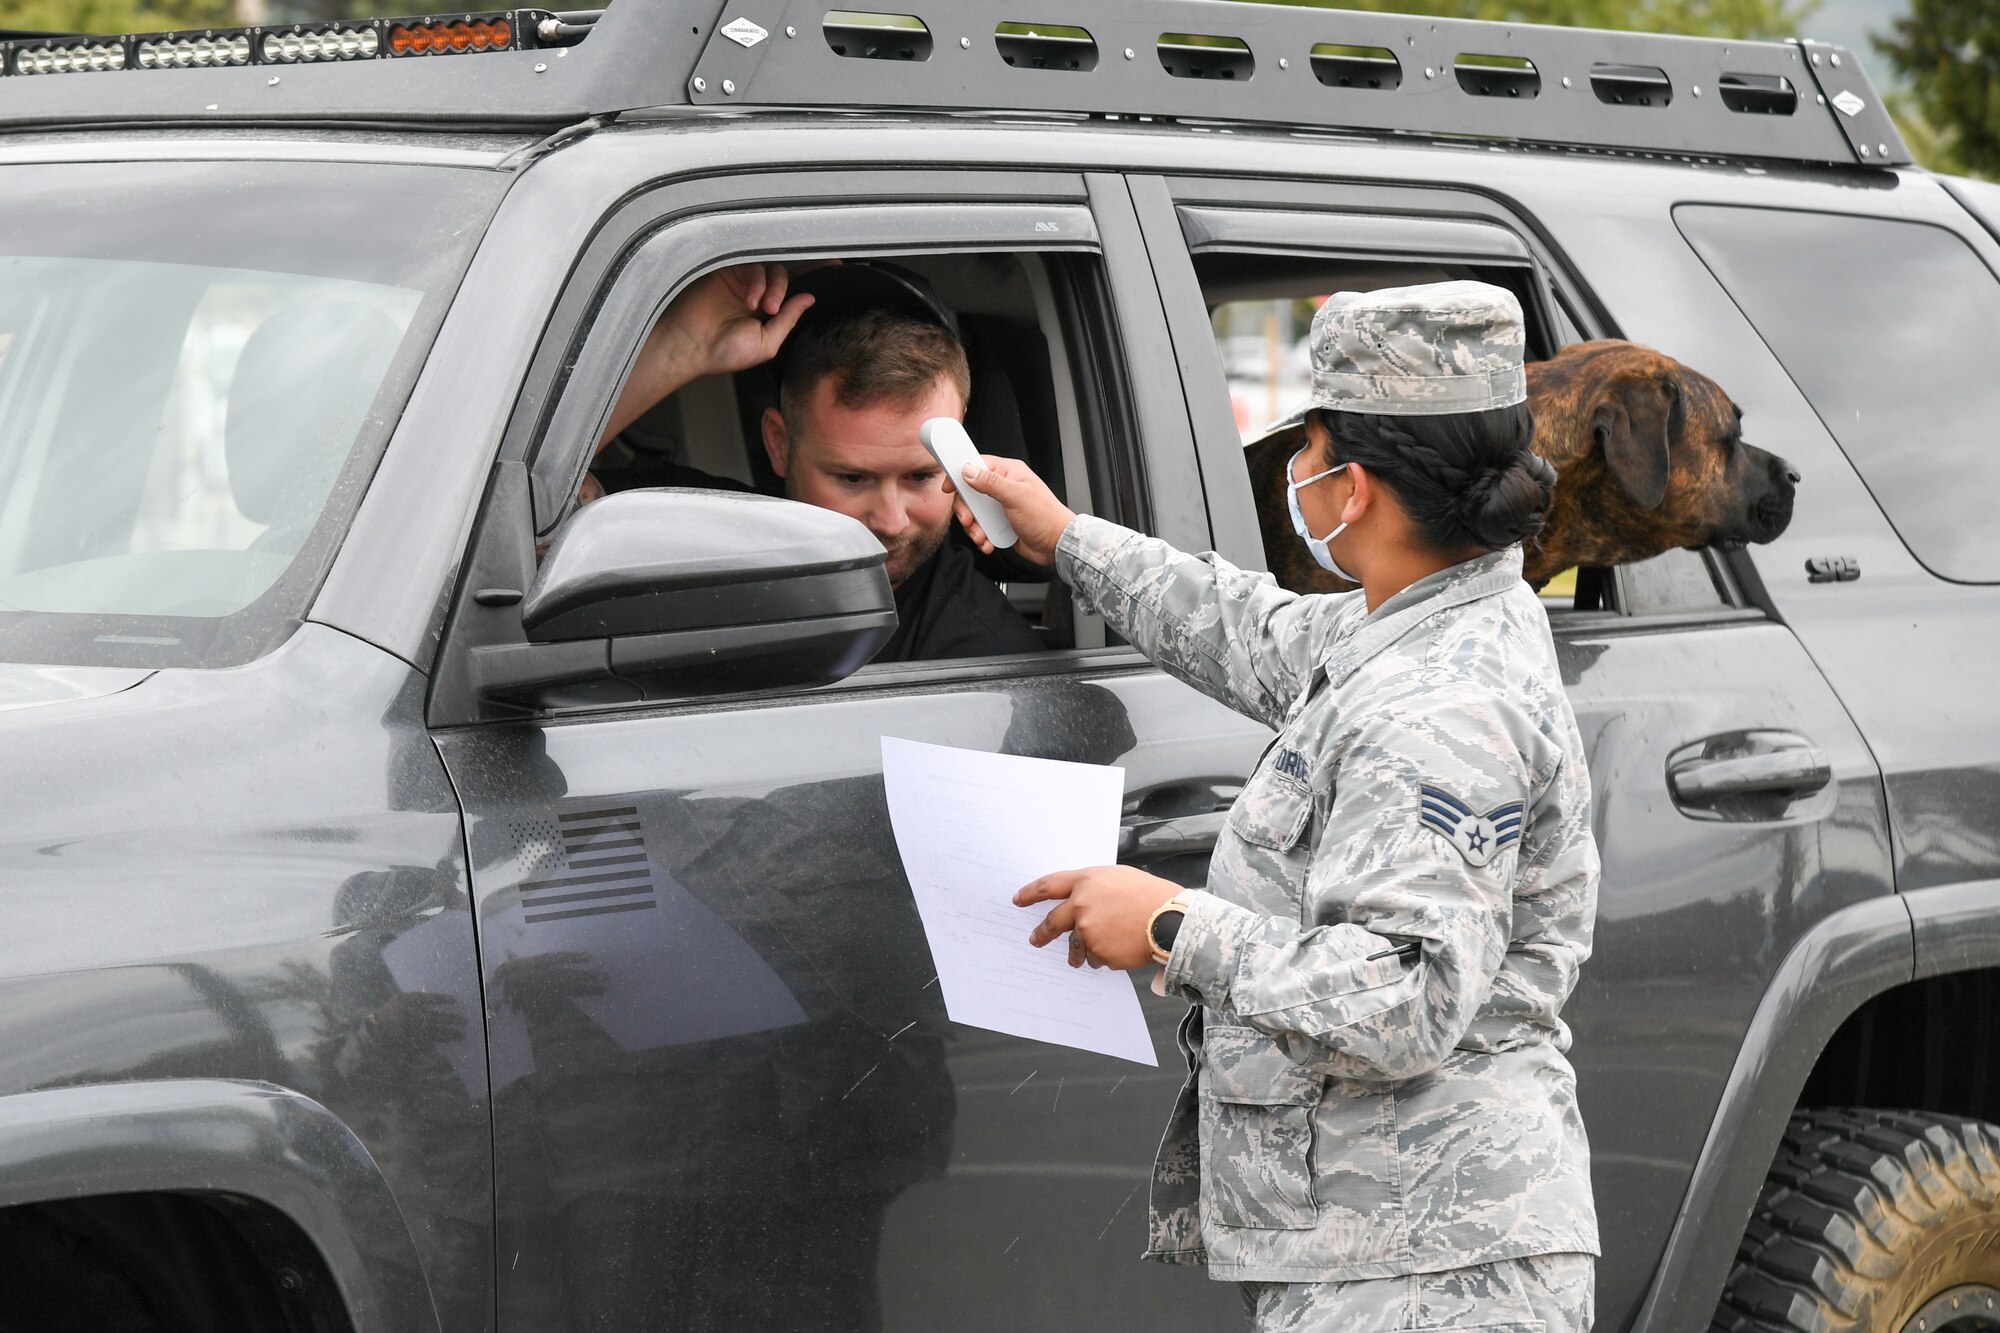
(832, 418)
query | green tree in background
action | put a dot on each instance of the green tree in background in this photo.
(114, 15)
(166, 15)
(1715, 18)
(1948, 53)
(1695, 18)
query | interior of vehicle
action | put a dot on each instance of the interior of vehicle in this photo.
(1023, 405)
(1261, 308)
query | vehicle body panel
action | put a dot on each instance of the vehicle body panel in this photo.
(691, 1096)
(1908, 653)
(255, 875)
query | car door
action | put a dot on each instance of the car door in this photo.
(726, 1093)
(1672, 674)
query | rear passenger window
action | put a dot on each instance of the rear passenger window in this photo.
(1889, 329)
(1261, 307)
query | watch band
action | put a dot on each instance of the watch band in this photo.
(1164, 926)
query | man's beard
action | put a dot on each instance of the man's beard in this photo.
(907, 556)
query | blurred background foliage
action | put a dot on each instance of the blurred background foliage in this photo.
(1938, 64)
(1945, 55)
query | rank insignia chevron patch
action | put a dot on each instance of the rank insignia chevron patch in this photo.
(1478, 838)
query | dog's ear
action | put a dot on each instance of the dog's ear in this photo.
(1635, 425)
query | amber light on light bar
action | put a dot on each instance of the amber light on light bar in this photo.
(426, 39)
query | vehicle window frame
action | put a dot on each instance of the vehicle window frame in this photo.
(675, 257)
(1363, 221)
(614, 299)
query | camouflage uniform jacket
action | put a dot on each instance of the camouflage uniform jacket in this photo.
(1353, 1111)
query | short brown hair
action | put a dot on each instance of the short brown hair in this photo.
(876, 357)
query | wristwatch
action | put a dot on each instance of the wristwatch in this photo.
(1165, 926)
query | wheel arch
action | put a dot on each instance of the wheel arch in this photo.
(1866, 959)
(221, 1138)
(1837, 966)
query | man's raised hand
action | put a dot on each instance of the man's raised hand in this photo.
(733, 319)
(726, 321)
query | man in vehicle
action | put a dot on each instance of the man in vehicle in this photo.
(864, 355)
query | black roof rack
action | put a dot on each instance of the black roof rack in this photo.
(1207, 60)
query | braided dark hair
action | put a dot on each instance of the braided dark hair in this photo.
(1466, 480)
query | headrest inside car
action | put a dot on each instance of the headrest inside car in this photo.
(299, 395)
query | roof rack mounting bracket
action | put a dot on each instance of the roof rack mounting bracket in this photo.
(1847, 95)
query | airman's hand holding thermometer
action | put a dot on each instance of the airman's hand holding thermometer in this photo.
(953, 449)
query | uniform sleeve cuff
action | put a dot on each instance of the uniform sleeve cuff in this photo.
(1203, 961)
(1087, 545)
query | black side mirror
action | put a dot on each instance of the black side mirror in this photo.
(678, 594)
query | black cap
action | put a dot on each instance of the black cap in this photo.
(844, 290)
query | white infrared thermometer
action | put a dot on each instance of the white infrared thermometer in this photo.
(953, 449)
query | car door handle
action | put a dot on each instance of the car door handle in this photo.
(1143, 839)
(1797, 771)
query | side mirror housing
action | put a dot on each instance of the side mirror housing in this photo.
(675, 594)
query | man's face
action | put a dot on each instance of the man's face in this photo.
(868, 463)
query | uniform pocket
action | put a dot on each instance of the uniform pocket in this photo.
(1257, 1133)
(1272, 812)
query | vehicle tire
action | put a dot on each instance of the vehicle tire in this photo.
(1873, 1222)
(53, 1281)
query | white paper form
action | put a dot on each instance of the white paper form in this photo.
(972, 828)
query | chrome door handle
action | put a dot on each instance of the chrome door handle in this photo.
(1150, 839)
(1798, 771)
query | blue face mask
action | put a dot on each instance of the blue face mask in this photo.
(1317, 545)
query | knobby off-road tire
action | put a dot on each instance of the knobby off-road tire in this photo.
(1873, 1222)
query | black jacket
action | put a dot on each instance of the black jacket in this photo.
(947, 608)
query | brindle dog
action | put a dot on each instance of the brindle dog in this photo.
(1650, 456)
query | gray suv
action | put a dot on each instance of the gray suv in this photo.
(400, 931)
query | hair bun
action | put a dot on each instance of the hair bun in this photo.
(1504, 503)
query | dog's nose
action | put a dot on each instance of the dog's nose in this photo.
(1792, 475)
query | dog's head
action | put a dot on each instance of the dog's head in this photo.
(1651, 456)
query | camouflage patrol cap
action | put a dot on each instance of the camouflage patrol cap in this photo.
(1434, 350)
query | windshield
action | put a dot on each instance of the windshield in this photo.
(198, 365)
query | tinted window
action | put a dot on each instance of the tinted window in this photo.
(1889, 329)
(196, 360)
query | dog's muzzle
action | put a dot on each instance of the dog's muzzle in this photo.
(1771, 512)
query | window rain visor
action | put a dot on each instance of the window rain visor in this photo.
(199, 364)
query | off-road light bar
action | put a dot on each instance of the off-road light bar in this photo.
(449, 36)
(296, 44)
(192, 52)
(66, 57)
(302, 45)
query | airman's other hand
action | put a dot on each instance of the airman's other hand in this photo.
(1106, 908)
(1037, 515)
